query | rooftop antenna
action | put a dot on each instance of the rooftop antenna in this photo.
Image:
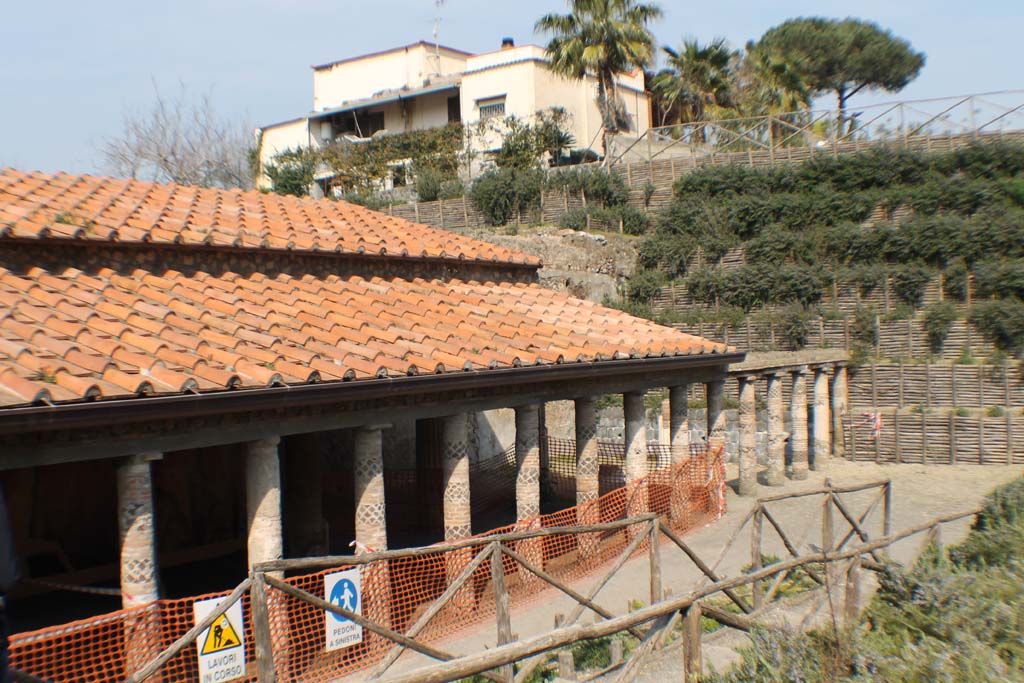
(437, 34)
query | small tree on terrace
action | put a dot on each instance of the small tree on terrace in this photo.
(844, 56)
(698, 82)
(602, 38)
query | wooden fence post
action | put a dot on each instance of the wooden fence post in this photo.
(654, 557)
(899, 401)
(896, 435)
(692, 631)
(952, 437)
(852, 597)
(887, 511)
(261, 630)
(756, 532)
(501, 607)
(981, 438)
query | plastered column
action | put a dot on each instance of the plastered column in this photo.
(263, 501)
(798, 418)
(679, 422)
(140, 582)
(716, 416)
(775, 475)
(371, 523)
(140, 573)
(371, 511)
(458, 521)
(748, 436)
(840, 406)
(587, 470)
(822, 421)
(636, 452)
(528, 484)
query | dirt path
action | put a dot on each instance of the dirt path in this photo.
(919, 493)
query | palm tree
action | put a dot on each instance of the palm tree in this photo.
(697, 85)
(771, 86)
(601, 38)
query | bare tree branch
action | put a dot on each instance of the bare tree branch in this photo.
(182, 139)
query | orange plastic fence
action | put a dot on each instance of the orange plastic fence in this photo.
(106, 649)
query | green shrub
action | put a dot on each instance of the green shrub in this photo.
(999, 278)
(574, 219)
(644, 284)
(503, 193)
(795, 325)
(631, 220)
(864, 330)
(1002, 323)
(954, 281)
(371, 200)
(938, 318)
(428, 185)
(598, 185)
(909, 281)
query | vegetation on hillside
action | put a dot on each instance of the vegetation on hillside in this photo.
(957, 615)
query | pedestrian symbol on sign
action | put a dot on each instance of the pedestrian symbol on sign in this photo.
(344, 595)
(343, 589)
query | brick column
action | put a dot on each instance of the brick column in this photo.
(798, 417)
(679, 422)
(458, 521)
(140, 571)
(840, 406)
(368, 471)
(776, 472)
(637, 502)
(528, 482)
(587, 470)
(822, 421)
(748, 436)
(263, 501)
(371, 525)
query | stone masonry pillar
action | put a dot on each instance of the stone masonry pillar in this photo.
(775, 475)
(679, 422)
(716, 415)
(140, 579)
(748, 436)
(798, 417)
(840, 406)
(822, 421)
(528, 485)
(263, 501)
(636, 452)
(455, 461)
(588, 484)
(140, 572)
(368, 471)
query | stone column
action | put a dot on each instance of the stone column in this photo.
(679, 422)
(368, 472)
(637, 502)
(528, 486)
(371, 524)
(798, 417)
(822, 421)
(716, 415)
(265, 540)
(263, 501)
(679, 441)
(840, 406)
(140, 571)
(775, 475)
(140, 578)
(458, 521)
(588, 484)
(748, 436)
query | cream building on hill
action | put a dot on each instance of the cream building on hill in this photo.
(423, 86)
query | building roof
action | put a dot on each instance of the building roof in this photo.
(77, 331)
(422, 43)
(90, 209)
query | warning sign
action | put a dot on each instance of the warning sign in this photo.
(343, 589)
(221, 647)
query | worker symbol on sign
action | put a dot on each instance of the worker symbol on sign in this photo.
(220, 636)
(344, 595)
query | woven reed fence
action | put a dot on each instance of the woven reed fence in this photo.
(936, 439)
(940, 386)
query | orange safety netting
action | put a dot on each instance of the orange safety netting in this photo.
(394, 593)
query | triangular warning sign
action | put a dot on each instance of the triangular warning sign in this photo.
(221, 636)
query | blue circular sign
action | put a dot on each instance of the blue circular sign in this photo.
(344, 595)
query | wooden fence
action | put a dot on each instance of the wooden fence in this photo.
(937, 386)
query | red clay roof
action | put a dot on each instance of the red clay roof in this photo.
(68, 335)
(38, 205)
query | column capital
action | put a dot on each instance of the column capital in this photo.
(801, 370)
(140, 459)
(266, 442)
(377, 427)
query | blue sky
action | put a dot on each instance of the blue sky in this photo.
(69, 69)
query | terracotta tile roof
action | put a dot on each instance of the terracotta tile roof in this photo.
(68, 336)
(60, 206)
